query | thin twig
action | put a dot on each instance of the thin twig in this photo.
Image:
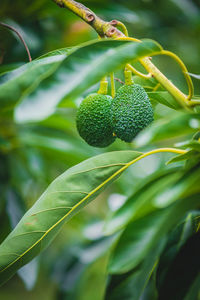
(119, 80)
(20, 37)
(103, 28)
(106, 29)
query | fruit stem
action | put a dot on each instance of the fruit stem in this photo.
(128, 76)
(120, 25)
(106, 29)
(184, 69)
(103, 89)
(136, 72)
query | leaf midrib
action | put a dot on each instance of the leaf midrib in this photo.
(125, 166)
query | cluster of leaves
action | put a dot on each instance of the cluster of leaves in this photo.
(149, 239)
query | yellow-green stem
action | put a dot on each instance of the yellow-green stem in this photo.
(106, 29)
(101, 27)
(128, 76)
(161, 78)
(184, 69)
(159, 150)
(103, 89)
(120, 25)
(136, 72)
(167, 84)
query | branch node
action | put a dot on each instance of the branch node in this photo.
(112, 32)
(114, 22)
(89, 17)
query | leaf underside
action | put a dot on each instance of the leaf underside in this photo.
(67, 194)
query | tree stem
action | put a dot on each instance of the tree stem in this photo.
(106, 29)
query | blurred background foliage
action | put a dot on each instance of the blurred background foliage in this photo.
(76, 262)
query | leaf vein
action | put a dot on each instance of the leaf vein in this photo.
(124, 167)
(49, 209)
(28, 232)
(100, 167)
(81, 192)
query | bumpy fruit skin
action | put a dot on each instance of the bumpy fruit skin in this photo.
(93, 120)
(131, 112)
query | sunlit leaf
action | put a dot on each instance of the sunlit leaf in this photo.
(21, 81)
(80, 70)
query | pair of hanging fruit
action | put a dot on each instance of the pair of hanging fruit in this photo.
(100, 118)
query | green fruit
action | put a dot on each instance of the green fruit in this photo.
(131, 112)
(93, 120)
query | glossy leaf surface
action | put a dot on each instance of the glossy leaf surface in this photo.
(63, 198)
(79, 71)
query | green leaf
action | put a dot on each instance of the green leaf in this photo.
(176, 239)
(7, 68)
(194, 290)
(183, 271)
(15, 209)
(164, 98)
(140, 202)
(186, 185)
(80, 70)
(195, 145)
(62, 51)
(141, 235)
(148, 84)
(22, 81)
(131, 285)
(63, 146)
(175, 125)
(70, 192)
(181, 157)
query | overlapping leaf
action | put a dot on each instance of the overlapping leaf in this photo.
(141, 235)
(20, 82)
(175, 125)
(164, 98)
(131, 285)
(64, 197)
(80, 70)
(150, 213)
(187, 258)
(140, 202)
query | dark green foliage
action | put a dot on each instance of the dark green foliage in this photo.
(131, 112)
(183, 270)
(94, 120)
